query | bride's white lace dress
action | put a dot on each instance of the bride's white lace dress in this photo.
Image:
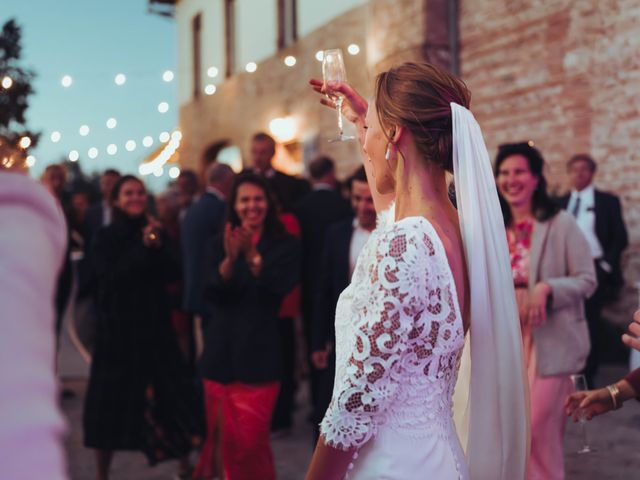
(399, 339)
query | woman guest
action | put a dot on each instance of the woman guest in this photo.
(253, 264)
(139, 395)
(553, 274)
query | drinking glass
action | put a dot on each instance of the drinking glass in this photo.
(580, 384)
(333, 70)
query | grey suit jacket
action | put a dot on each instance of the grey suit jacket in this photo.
(560, 256)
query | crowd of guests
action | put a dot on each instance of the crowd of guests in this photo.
(188, 304)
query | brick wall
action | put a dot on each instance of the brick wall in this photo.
(565, 74)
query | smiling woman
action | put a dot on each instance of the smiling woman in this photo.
(254, 264)
(553, 274)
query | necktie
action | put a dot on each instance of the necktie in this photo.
(576, 207)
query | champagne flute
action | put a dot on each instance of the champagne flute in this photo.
(333, 70)
(580, 384)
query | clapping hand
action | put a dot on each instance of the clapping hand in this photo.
(232, 242)
(632, 339)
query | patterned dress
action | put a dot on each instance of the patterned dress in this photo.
(399, 338)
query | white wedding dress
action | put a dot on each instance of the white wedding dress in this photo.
(399, 339)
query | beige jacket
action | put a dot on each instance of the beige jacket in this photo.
(560, 256)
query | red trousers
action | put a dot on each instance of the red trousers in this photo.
(238, 426)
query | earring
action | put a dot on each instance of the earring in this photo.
(387, 153)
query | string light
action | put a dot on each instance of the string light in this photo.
(31, 161)
(251, 67)
(147, 141)
(290, 60)
(93, 152)
(174, 172)
(212, 72)
(158, 172)
(130, 145)
(353, 49)
(7, 82)
(111, 123)
(84, 130)
(320, 55)
(66, 81)
(164, 137)
(163, 157)
(120, 79)
(167, 76)
(210, 89)
(25, 142)
(74, 155)
(55, 137)
(112, 149)
(163, 107)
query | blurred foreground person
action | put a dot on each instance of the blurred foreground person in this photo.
(33, 241)
(592, 403)
(140, 395)
(553, 275)
(254, 264)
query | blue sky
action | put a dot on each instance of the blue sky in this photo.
(93, 41)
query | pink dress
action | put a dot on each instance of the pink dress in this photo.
(546, 461)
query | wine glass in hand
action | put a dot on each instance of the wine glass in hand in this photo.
(333, 71)
(580, 385)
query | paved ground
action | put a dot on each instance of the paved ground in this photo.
(615, 436)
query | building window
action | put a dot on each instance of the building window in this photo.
(196, 33)
(229, 37)
(287, 23)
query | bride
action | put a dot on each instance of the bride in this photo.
(428, 275)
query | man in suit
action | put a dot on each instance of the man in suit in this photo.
(287, 189)
(203, 220)
(99, 214)
(316, 212)
(343, 244)
(599, 216)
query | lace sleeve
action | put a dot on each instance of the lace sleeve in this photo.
(387, 299)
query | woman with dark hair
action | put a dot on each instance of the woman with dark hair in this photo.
(427, 276)
(253, 265)
(140, 395)
(553, 274)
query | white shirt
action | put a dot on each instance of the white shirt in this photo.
(586, 217)
(107, 213)
(358, 239)
(215, 192)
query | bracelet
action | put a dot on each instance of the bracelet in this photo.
(614, 392)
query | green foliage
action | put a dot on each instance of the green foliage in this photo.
(14, 100)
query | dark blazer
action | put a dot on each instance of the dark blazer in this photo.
(204, 219)
(610, 230)
(334, 278)
(95, 217)
(317, 211)
(241, 339)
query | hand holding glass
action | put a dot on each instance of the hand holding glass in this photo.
(333, 70)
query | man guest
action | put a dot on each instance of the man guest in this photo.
(599, 216)
(343, 244)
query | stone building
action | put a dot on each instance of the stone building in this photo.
(563, 73)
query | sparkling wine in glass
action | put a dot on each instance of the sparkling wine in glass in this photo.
(333, 70)
(580, 384)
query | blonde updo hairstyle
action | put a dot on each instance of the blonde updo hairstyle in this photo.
(417, 96)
